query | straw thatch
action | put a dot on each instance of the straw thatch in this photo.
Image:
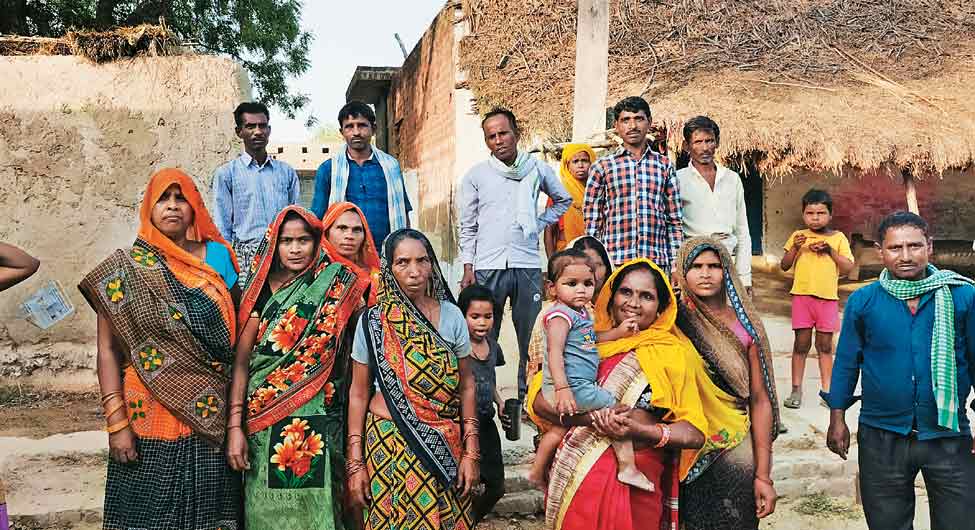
(818, 84)
(97, 46)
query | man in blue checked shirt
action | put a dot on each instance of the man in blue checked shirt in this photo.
(250, 190)
(910, 339)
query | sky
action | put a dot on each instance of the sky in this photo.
(349, 34)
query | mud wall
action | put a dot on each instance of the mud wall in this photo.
(862, 199)
(78, 143)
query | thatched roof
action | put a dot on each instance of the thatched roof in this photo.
(817, 84)
(98, 46)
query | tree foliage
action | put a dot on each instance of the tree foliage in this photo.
(265, 36)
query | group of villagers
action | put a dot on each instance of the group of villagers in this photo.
(334, 390)
(655, 412)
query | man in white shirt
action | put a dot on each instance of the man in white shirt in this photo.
(712, 196)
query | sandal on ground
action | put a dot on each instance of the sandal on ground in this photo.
(794, 401)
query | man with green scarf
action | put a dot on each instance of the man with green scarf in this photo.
(912, 336)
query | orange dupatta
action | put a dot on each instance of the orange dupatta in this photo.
(368, 256)
(190, 270)
(172, 312)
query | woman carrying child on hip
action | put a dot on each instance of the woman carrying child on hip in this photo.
(820, 255)
(572, 361)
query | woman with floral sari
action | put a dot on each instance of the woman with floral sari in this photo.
(166, 329)
(729, 489)
(671, 414)
(287, 372)
(347, 240)
(413, 443)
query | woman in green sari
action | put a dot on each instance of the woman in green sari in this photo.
(293, 316)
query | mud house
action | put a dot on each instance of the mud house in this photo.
(78, 142)
(806, 95)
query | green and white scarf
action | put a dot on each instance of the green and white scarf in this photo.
(944, 371)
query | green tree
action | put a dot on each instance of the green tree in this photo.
(265, 36)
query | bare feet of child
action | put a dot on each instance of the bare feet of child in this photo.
(633, 477)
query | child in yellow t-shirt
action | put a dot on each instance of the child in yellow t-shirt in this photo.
(819, 254)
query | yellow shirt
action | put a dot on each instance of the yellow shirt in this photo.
(817, 274)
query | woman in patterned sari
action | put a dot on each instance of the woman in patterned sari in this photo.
(729, 489)
(166, 328)
(347, 240)
(413, 445)
(287, 371)
(673, 419)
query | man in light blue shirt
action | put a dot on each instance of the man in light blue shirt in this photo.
(499, 226)
(250, 190)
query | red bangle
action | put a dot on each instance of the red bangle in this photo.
(664, 436)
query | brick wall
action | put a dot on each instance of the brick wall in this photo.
(422, 125)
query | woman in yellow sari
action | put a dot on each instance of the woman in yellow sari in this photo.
(674, 414)
(574, 172)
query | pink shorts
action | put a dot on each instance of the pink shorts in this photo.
(811, 312)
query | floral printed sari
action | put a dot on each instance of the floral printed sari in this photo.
(174, 319)
(296, 389)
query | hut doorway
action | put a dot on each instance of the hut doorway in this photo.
(754, 186)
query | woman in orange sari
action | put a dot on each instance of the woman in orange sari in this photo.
(574, 172)
(166, 328)
(347, 240)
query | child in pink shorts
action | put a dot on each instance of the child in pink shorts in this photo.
(819, 255)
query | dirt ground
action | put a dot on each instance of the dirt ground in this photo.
(32, 413)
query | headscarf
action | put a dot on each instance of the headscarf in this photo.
(189, 269)
(417, 371)
(367, 252)
(675, 373)
(722, 351)
(572, 223)
(300, 330)
(171, 312)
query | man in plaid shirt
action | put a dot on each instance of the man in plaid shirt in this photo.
(632, 202)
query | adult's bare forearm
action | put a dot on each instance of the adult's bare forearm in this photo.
(761, 431)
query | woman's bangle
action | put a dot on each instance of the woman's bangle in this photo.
(664, 436)
(110, 395)
(561, 388)
(109, 413)
(118, 426)
(234, 427)
(471, 455)
(353, 466)
(766, 480)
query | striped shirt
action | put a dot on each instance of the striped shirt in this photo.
(248, 196)
(633, 206)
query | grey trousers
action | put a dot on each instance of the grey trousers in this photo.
(889, 463)
(524, 288)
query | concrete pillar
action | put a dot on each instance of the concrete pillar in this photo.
(592, 68)
(382, 132)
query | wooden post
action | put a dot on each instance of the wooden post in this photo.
(911, 190)
(592, 68)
